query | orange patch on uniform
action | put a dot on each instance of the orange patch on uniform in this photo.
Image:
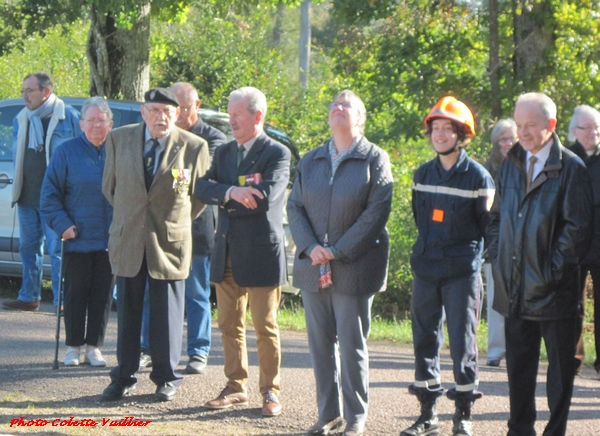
(438, 215)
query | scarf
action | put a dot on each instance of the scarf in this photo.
(36, 130)
(337, 158)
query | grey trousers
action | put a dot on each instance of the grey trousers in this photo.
(338, 327)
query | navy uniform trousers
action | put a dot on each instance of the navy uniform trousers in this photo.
(460, 297)
(167, 299)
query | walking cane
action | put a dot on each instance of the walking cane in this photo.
(60, 301)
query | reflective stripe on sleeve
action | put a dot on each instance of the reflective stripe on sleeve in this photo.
(465, 193)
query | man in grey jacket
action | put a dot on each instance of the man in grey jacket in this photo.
(44, 124)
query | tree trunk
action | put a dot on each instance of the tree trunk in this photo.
(278, 26)
(304, 49)
(495, 60)
(534, 26)
(119, 58)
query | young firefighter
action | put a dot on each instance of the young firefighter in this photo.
(451, 198)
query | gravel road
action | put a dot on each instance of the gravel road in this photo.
(29, 388)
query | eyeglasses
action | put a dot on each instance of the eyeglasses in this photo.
(589, 128)
(29, 91)
(154, 111)
(94, 121)
(344, 105)
(185, 110)
(507, 140)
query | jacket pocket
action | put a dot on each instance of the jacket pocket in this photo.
(177, 232)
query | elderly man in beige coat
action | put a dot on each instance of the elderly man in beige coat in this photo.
(149, 177)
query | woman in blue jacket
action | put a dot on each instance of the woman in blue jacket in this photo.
(73, 206)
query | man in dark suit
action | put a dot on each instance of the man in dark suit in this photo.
(247, 179)
(149, 177)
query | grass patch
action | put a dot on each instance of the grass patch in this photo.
(393, 331)
(400, 332)
(9, 288)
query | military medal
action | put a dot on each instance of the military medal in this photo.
(181, 179)
(249, 179)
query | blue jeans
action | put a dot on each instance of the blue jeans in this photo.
(32, 233)
(197, 306)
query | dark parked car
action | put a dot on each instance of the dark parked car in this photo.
(124, 112)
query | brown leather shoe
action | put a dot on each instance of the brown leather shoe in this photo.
(32, 306)
(227, 398)
(271, 405)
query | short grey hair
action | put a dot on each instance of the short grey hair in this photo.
(584, 109)
(97, 102)
(502, 126)
(357, 104)
(255, 98)
(546, 104)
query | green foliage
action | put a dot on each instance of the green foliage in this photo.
(575, 79)
(220, 52)
(406, 156)
(61, 53)
(360, 11)
(402, 65)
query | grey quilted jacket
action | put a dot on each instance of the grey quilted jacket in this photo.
(351, 208)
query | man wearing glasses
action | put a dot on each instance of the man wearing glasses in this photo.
(44, 123)
(197, 285)
(149, 178)
(584, 131)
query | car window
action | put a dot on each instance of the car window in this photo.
(7, 114)
(218, 121)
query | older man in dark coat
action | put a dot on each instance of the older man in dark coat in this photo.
(540, 232)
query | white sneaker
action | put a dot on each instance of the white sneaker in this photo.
(94, 357)
(72, 356)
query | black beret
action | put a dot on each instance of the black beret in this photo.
(161, 95)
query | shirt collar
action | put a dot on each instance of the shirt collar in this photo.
(161, 141)
(543, 154)
(248, 144)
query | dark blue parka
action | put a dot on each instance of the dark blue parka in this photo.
(593, 165)
(72, 195)
(538, 239)
(451, 210)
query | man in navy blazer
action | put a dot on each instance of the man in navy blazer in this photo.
(247, 179)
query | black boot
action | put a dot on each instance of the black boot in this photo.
(427, 424)
(462, 421)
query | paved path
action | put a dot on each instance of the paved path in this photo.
(30, 388)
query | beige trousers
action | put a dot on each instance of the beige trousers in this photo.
(232, 301)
